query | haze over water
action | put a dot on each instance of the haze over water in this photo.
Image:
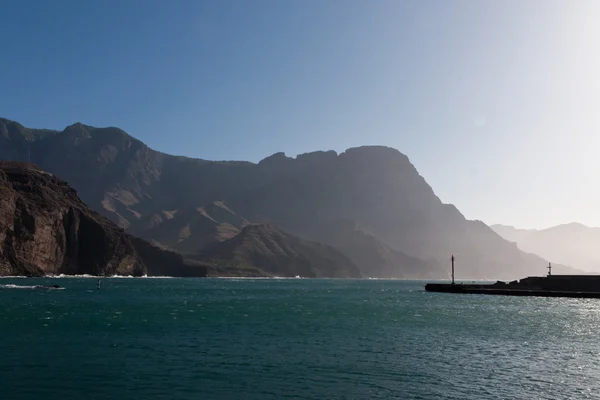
(301, 339)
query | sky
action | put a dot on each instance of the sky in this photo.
(495, 102)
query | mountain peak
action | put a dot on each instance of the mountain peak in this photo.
(573, 225)
(375, 150)
(77, 125)
(275, 158)
(9, 121)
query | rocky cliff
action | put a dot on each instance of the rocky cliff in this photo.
(46, 229)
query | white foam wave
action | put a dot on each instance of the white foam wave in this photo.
(13, 286)
(158, 277)
(110, 277)
(252, 278)
(88, 276)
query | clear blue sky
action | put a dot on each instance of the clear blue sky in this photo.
(495, 102)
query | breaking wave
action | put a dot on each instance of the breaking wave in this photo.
(13, 286)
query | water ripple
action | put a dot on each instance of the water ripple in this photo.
(300, 339)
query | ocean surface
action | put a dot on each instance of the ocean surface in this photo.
(290, 339)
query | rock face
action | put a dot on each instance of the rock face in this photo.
(46, 229)
(264, 250)
(367, 198)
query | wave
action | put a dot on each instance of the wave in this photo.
(88, 276)
(253, 278)
(102, 276)
(158, 277)
(50, 276)
(13, 286)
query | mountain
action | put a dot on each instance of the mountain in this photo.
(46, 229)
(265, 250)
(573, 244)
(376, 259)
(369, 198)
(378, 190)
(191, 230)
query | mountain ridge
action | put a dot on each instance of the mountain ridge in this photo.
(376, 187)
(572, 243)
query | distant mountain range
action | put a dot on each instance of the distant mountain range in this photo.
(573, 244)
(368, 202)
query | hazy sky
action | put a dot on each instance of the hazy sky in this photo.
(495, 102)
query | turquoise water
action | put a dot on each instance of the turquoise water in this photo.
(290, 339)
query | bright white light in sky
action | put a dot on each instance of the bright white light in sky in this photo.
(530, 156)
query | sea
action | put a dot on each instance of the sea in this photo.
(144, 338)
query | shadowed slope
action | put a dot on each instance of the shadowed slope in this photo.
(264, 250)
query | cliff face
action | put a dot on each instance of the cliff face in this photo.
(46, 229)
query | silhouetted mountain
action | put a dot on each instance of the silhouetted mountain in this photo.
(264, 250)
(400, 221)
(573, 244)
(46, 229)
(378, 189)
(15, 139)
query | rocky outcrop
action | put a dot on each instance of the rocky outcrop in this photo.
(46, 229)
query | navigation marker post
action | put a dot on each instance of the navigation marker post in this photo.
(452, 258)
